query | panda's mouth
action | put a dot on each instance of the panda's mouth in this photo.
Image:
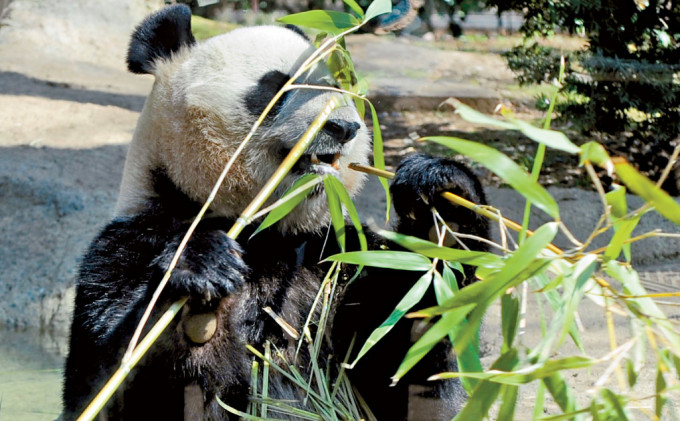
(316, 162)
(332, 159)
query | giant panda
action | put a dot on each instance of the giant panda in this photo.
(205, 98)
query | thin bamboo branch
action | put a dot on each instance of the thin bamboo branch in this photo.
(457, 200)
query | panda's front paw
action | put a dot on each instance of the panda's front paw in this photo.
(210, 266)
(417, 187)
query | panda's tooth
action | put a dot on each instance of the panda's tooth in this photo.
(336, 161)
(314, 159)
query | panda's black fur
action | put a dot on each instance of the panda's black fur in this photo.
(277, 268)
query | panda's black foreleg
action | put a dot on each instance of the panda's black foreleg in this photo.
(119, 274)
(416, 190)
(209, 268)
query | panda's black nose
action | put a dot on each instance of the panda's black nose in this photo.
(341, 130)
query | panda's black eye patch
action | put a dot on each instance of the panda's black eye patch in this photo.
(259, 96)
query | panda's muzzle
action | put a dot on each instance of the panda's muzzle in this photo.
(326, 150)
(341, 131)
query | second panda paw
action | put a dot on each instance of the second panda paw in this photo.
(210, 266)
(417, 188)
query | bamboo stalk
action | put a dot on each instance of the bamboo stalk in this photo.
(457, 200)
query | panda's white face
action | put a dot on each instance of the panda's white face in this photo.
(206, 98)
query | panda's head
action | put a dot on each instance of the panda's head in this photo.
(205, 99)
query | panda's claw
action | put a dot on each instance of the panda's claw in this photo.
(417, 187)
(210, 265)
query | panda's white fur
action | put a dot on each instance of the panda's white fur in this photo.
(195, 118)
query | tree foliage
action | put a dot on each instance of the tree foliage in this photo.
(627, 81)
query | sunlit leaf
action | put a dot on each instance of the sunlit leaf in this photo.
(551, 138)
(623, 229)
(446, 286)
(645, 188)
(412, 297)
(631, 373)
(616, 198)
(474, 116)
(341, 192)
(561, 392)
(506, 169)
(612, 400)
(630, 280)
(379, 158)
(509, 319)
(335, 210)
(290, 199)
(508, 396)
(660, 386)
(431, 338)
(485, 393)
(377, 8)
(324, 20)
(399, 260)
(432, 250)
(526, 374)
(555, 300)
(355, 7)
(595, 153)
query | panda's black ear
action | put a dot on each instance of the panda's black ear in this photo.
(158, 36)
(298, 31)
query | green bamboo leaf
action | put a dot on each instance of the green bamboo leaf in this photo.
(645, 188)
(290, 199)
(577, 280)
(335, 210)
(613, 402)
(561, 392)
(324, 20)
(346, 201)
(445, 287)
(506, 169)
(631, 373)
(522, 265)
(399, 260)
(431, 338)
(525, 374)
(637, 328)
(539, 402)
(412, 297)
(556, 302)
(485, 394)
(630, 280)
(377, 8)
(432, 250)
(623, 229)
(660, 386)
(596, 153)
(442, 288)
(474, 116)
(509, 319)
(509, 396)
(616, 198)
(355, 7)
(379, 158)
(551, 138)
